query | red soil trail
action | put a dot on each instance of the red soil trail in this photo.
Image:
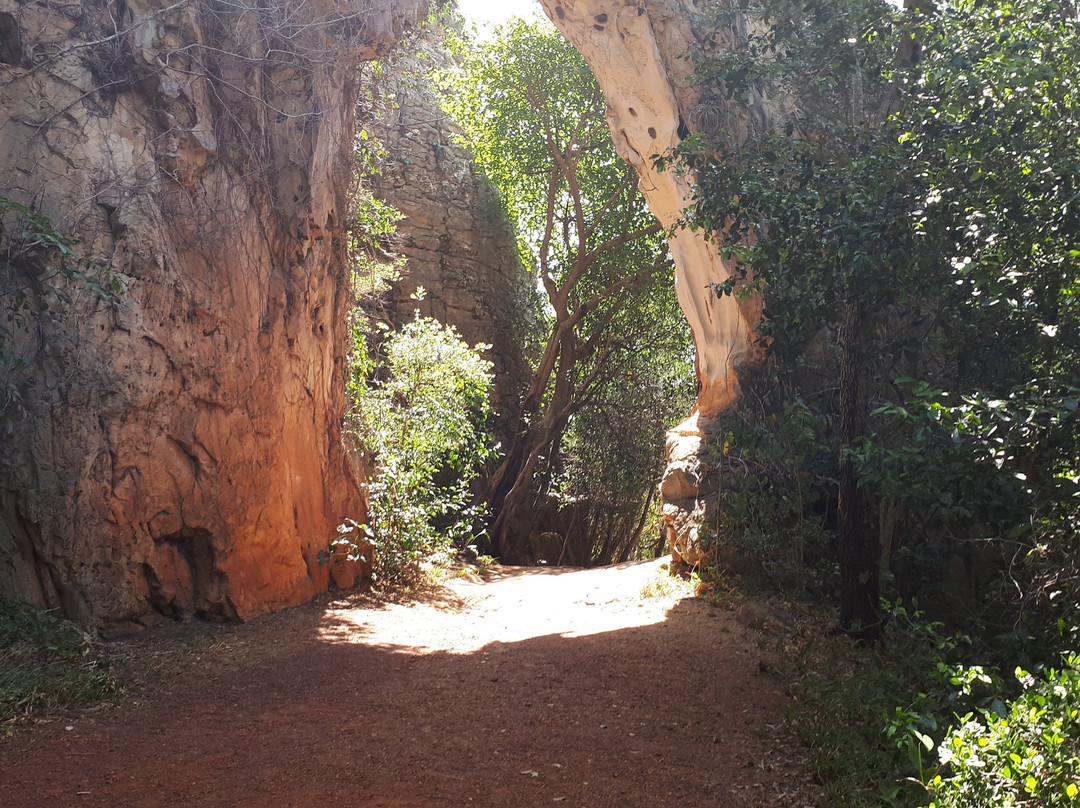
(538, 687)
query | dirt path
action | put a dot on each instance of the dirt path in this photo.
(538, 687)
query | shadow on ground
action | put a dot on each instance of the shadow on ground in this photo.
(666, 714)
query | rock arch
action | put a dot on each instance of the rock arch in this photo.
(638, 51)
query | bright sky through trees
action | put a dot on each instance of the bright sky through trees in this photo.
(496, 12)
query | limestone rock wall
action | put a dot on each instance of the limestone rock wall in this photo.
(181, 451)
(455, 236)
(640, 52)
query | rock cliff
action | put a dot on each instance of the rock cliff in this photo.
(181, 452)
(640, 52)
(457, 241)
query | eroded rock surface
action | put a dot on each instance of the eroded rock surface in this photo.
(182, 454)
(640, 53)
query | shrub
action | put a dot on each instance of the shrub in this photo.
(776, 470)
(860, 744)
(46, 662)
(1003, 741)
(421, 420)
(1025, 752)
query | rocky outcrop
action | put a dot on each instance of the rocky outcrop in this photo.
(640, 52)
(181, 453)
(455, 236)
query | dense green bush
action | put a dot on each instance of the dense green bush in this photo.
(927, 718)
(882, 243)
(773, 466)
(1022, 753)
(420, 416)
(860, 743)
(419, 395)
(915, 224)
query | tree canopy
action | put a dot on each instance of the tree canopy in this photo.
(534, 117)
(912, 226)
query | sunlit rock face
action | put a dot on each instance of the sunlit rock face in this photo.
(639, 51)
(181, 451)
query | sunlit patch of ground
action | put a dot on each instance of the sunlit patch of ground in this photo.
(513, 604)
(534, 687)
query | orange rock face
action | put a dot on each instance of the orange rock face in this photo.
(180, 453)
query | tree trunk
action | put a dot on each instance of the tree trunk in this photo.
(859, 578)
(514, 482)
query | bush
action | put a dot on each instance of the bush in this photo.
(46, 662)
(1000, 741)
(776, 473)
(421, 419)
(861, 745)
(1026, 752)
(1001, 472)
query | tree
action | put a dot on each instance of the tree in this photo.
(991, 121)
(820, 211)
(610, 461)
(916, 219)
(534, 116)
(964, 202)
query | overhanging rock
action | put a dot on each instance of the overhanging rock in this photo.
(639, 51)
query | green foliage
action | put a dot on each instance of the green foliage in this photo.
(991, 120)
(822, 208)
(46, 663)
(927, 717)
(772, 467)
(1012, 741)
(997, 470)
(375, 267)
(865, 749)
(927, 182)
(29, 233)
(534, 118)
(859, 741)
(1026, 752)
(373, 225)
(947, 225)
(418, 396)
(611, 455)
(421, 420)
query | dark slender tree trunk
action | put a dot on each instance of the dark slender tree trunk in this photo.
(859, 574)
(508, 543)
(514, 491)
